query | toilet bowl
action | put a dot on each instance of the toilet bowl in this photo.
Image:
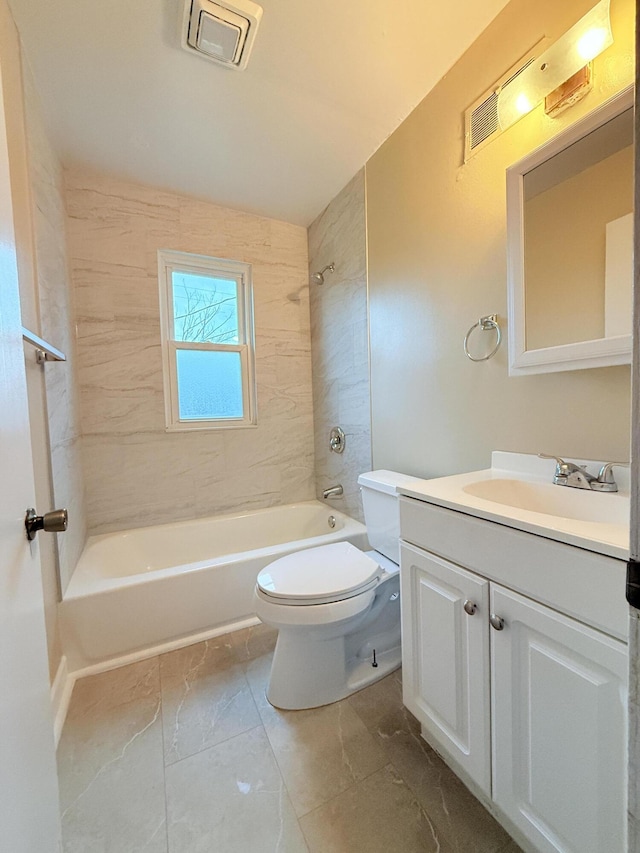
(336, 608)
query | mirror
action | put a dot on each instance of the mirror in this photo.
(570, 243)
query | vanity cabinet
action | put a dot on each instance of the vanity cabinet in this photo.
(527, 703)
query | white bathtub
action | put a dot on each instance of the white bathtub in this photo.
(148, 587)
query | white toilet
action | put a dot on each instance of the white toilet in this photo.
(337, 609)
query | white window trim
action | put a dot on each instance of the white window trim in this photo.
(169, 262)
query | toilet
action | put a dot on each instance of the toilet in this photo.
(336, 608)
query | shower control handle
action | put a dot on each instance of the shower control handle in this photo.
(55, 521)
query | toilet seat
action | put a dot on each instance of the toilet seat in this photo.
(326, 574)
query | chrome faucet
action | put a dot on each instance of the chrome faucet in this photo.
(333, 492)
(577, 476)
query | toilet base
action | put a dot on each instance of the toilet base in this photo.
(327, 676)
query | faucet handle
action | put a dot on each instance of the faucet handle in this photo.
(605, 481)
(562, 467)
(605, 474)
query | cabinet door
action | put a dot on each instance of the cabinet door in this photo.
(445, 654)
(559, 731)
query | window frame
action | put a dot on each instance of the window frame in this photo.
(168, 263)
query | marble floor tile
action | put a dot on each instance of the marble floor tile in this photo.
(511, 847)
(377, 815)
(111, 764)
(458, 815)
(190, 735)
(321, 751)
(231, 798)
(97, 694)
(254, 642)
(205, 698)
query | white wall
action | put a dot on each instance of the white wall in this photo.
(437, 262)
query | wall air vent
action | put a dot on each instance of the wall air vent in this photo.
(481, 125)
(220, 31)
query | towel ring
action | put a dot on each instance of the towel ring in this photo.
(485, 324)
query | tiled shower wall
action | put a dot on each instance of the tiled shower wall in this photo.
(136, 473)
(339, 344)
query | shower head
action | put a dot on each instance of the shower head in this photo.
(318, 277)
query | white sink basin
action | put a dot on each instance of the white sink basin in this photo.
(519, 491)
(561, 501)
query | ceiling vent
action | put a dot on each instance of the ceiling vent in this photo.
(481, 125)
(222, 32)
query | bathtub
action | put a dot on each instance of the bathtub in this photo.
(157, 587)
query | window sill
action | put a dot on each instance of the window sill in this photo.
(208, 427)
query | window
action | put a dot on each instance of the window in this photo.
(207, 342)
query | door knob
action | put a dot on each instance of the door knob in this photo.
(470, 607)
(55, 521)
(497, 622)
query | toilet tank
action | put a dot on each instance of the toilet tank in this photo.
(382, 510)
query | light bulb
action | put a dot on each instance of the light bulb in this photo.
(591, 43)
(523, 104)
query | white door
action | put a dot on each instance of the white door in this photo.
(29, 821)
(445, 636)
(559, 728)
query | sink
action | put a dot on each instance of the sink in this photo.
(518, 491)
(547, 498)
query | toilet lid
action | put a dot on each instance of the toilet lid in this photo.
(328, 572)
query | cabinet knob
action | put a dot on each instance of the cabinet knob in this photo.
(497, 622)
(470, 607)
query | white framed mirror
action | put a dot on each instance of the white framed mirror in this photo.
(570, 246)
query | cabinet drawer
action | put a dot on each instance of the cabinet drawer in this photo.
(587, 586)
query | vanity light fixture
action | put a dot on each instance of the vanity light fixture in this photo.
(564, 59)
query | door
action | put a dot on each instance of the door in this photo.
(29, 818)
(559, 728)
(445, 638)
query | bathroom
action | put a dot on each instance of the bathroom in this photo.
(417, 237)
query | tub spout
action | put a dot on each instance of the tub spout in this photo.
(333, 492)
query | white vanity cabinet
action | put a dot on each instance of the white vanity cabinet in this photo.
(525, 700)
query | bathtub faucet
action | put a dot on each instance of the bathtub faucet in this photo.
(333, 492)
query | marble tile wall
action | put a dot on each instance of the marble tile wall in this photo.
(136, 473)
(339, 344)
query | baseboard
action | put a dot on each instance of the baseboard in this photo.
(161, 648)
(61, 691)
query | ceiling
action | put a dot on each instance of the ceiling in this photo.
(327, 82)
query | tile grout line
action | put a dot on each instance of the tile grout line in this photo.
(273, 752)
(434, 826)
(164, 766)
(282, 779)
(353, 785)
(213, 746)
(445, 832)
